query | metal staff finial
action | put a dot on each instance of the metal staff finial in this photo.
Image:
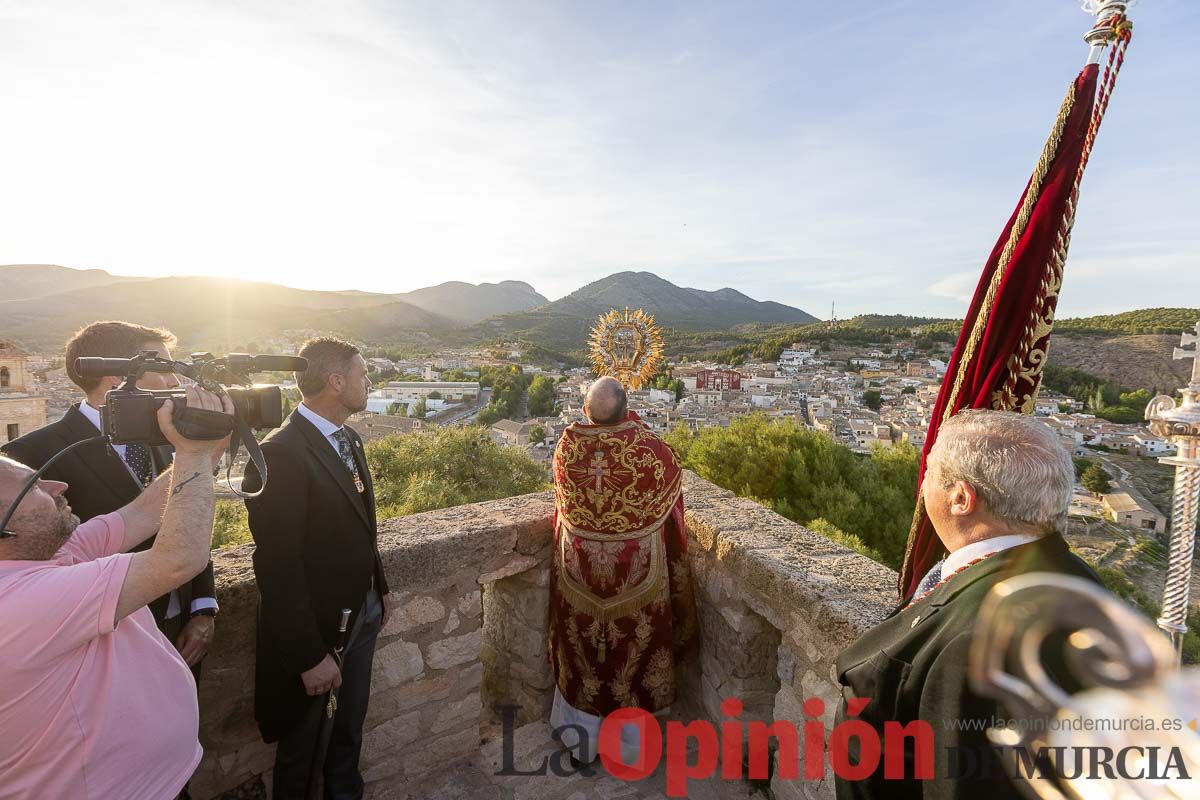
(1181, 425)
(1111, 22)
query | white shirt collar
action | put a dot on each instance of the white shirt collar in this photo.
(327, 428)
(92, 413)
(93, 416)
(982, 549)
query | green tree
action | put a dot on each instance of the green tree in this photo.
(541, 396)
(1120, 414)
(909, 390)
(831, 531)
(418, 410)
(872, 399)
(434, 395)
(537, 434)
(679, 389)
(445, 467)
(396, 408)
(508, 385)
(806, 475)
(1096, 479)
(231, 524)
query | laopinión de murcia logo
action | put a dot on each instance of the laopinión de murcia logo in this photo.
(853, 749)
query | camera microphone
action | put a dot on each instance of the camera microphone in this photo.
(92, 367)
(270, 363)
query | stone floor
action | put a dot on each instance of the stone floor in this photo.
(531, 746)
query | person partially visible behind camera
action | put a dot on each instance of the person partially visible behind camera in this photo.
(95, 703)
(103, 479)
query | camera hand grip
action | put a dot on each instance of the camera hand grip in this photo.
(201, 424)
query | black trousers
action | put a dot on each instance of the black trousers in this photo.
(294, 757)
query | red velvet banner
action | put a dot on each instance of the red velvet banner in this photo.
(1001, 351)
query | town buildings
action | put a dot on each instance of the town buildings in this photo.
(21, 409)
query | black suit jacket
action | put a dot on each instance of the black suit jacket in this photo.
(315, 554)
(913, 666)
(98, 482)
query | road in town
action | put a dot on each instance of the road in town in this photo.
(485, 396)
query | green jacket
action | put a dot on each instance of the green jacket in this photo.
(913, 666)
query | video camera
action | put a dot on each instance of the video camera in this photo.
(128, 416)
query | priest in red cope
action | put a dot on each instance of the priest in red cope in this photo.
(622, 613)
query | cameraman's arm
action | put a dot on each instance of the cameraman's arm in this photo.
(144, 515)
(185, 536)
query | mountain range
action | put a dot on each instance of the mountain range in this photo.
(41, 305)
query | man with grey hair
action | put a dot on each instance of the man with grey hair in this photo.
(997, 486)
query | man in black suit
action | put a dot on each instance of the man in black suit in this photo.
(316, 554)
(101, 480)
(997, 486)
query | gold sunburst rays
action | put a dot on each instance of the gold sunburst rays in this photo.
(627, 345)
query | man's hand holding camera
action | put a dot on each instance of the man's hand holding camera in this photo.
(178, 510)
(205, 400)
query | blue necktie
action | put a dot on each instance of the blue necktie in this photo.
(931, 579)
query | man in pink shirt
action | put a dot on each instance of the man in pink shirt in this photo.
(92, 696)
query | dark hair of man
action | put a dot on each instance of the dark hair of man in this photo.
(326, 356)
(110, 339)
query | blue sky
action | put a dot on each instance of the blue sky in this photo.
(863, 153)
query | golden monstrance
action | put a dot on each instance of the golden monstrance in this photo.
(627, 345)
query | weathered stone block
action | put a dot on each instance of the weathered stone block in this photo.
(384, 745)
(453, 651)
(468, 678)
(471, 605)
(458, 714)
(514, 566)
(413, 612)
(441, 753)
(407, 696)
(395, 664)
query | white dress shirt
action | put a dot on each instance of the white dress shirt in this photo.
(984, 548)
(93, 415)
(327, 428)
(965, 555)
(173, 610)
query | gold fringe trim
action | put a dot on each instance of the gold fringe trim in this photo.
(1049, 150)
(607, 609)
(641, 533)
(1014, 235)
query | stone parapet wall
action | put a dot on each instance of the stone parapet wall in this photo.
(425, 711)
(776, 604)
